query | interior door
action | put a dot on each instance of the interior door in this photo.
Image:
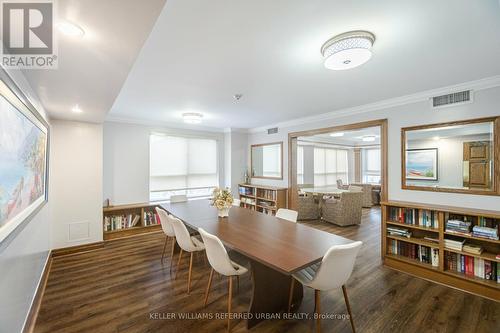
(477, 162)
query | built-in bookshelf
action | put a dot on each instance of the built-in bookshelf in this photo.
(126, 220)
(265, 199)
(454, 246)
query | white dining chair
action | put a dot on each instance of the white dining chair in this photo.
(187, 243)
(236, 202)
(222, 264)
(169, 232)
(287, 214)
(178, 198)
(331, 273)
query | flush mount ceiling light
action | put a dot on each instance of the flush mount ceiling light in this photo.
(76, 109)
(337, 134)
(192, 117)
(369, 138)
(70, 29)
(348, 50)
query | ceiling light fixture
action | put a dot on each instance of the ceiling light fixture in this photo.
(76, 109)
(192, 117)
(337, 134)
(369, 138)
(348, 50)
(70, 29)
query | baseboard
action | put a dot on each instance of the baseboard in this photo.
(29, 324)
(77, 249)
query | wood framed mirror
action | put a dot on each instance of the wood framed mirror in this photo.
(455, 157)
(266, 160)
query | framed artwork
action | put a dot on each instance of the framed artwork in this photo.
(422, 164)
(23, 159)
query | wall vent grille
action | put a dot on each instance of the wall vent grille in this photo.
(273, 130)
(455, 98)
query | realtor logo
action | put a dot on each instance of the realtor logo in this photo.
(28, 34)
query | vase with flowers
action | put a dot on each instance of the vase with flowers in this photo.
(222, 199)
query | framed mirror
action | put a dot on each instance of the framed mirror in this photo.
(459, 157)
(267, 160)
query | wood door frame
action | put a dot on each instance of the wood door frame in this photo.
(495, 188)
(292, 154)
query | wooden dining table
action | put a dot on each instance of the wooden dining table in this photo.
(276, 249)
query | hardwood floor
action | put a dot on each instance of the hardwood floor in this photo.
(123, 287)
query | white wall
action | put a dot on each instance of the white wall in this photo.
(76, 183)
(238, 165)
(126, 159)
(486, 103)
(23, 256)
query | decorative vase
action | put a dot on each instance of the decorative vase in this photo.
(224, 212)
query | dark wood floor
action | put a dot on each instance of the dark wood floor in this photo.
(120, 287)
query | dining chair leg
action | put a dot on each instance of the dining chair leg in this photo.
(292, 283)
(208, 287)
(190, 269)
(229, 303)
(317, 310)
(172, 253)
(178, 263)
(164, 247)
(344, 290)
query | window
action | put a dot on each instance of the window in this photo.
(371, 165)
(180, 165)
(300, 165)
(330, 165)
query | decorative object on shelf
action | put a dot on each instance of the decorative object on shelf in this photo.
(422, 164)
(247, 178)
(222, 199)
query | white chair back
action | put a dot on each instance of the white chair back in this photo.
(287, 214)
(182, 235)
(336, 266)
(236, 202)
(178, 198)
(217, 254)
(165, 222)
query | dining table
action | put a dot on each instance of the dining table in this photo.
(275, 248)
(324, 190)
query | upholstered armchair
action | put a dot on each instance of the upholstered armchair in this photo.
(367, 193)
(308, 208)
(344, 211)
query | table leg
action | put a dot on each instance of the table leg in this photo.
(271, 292)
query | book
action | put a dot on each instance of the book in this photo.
(474, 249)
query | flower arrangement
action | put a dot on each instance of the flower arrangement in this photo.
(222, 199)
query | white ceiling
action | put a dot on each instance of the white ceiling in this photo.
(92, 69)
(200, 53)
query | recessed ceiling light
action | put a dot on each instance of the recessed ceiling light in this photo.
(337, 134)
(348, 50)
(76, 109)
(70, 29)
(369, 138)
(192, 117)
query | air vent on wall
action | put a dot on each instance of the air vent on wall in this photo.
(452, 99)
(273, 130)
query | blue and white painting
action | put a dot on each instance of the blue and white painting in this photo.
(422, 164)
(22, 162)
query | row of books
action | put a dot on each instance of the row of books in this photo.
(248, 201)
(454, 244)
(267, 194)
(488, 222)
(458, 227)
(485, 232)
(398, 232)
(471, 266)
(421, 253)
(117, 222)
(151, 218)
(246, 190)
(411, 216)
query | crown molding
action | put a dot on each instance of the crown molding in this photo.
(481, 84)
(162, 124)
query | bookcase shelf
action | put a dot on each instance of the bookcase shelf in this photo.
(446, 271)
(147, 220)
(253, 197)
